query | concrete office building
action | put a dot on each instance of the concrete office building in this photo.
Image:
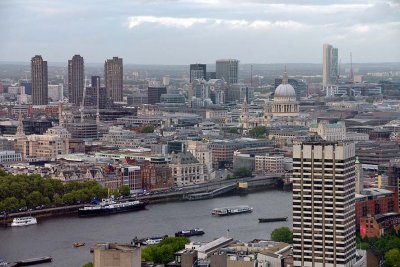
(228, 70)
(329, 65)
(39, 81)
(323, 204)
(76, 77)
(116, 255)
(113, 74)
(198, 71)
(56, 92)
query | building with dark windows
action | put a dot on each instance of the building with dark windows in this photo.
(113, 74)
(95, 80)
(211, 75)
(39, 81)
(91, 97)
(76, 77)
(227, 69)
(154, 94)
(198, 71)
(28, 86)
(323, 204)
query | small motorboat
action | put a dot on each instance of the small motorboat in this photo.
(79, 244)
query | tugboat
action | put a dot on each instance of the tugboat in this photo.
(110, 206)
(231, 210)
(24, 221)
(188, 233)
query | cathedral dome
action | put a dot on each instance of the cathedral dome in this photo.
(285, 90)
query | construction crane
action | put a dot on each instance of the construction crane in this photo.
(82, 107)
(98, 96)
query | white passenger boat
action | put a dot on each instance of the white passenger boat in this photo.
(231, 210)
(24, 221)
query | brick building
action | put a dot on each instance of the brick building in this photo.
(156, 176)
(374, 201)
(379, 225)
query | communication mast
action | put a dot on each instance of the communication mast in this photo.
(351, 68)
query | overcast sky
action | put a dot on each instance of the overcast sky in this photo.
(189, 31)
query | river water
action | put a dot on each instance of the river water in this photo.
(55, 237)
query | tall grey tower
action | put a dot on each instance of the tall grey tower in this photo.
(228, 70)
(113, 74)
(39, 81)
(198, 71)
(76, 79)
(323, 204)
(329, 65)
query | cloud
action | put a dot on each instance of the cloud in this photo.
(137, 21)
(165, 21)
(361, 28)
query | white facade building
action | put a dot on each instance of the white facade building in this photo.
(9, 156)
(270, 163)
(186, 169)
(330, 131)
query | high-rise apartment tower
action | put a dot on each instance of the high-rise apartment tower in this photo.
(39, 81)
(76, 79)
(113, 74)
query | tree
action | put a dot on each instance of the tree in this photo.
(148, 128)
(35, 199)
(258, 131)
(392, 258)
(10, 203)
(88, 264)
(282, 234)
(164, 251)
(242, 172)
(33, 190)
(124, 190)
(233, 130)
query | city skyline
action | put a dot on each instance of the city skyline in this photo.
(266, 30)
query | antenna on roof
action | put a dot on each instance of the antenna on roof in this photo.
(251, 75)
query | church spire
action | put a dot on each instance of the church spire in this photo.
(60, 114)
(285, 79)
(20, 127)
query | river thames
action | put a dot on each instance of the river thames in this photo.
(55, 237)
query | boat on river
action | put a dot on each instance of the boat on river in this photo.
(79, 244)
(110, 206)
(189, 233)
(33, 261)
(231, 210)
(277, 219)
(24, 221)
